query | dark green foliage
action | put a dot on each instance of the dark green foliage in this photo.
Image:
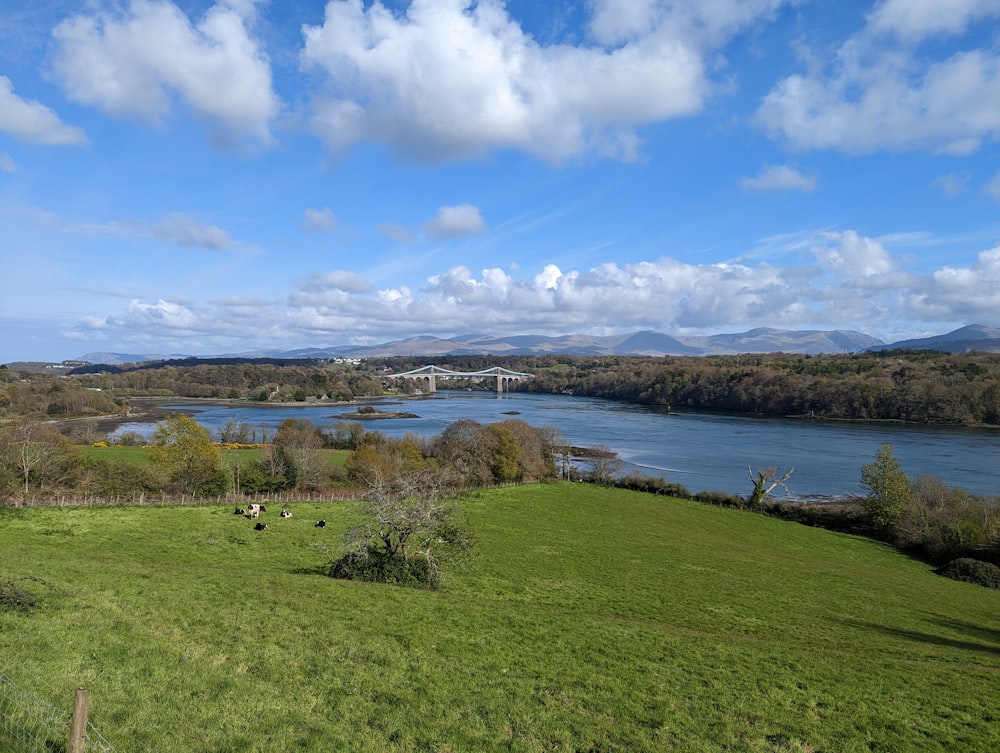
(375, 565)
(720, 499)
(972, 571)
(653, 485)
(122, 479)
(888, 490)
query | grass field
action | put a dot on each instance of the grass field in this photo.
(589, 620)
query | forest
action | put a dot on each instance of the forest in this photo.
(915, 386)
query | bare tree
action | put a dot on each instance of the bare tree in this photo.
(408, 532)
(604, 464)
(35, 453)
(764, 483)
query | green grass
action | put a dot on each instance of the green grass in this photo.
(589, 620)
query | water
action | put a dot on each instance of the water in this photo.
(702, 451)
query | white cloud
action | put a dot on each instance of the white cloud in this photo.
(318, 220)
(7, 164)
(846, 281)
(33, 122)
(186, 231)
(130, 63)
(853, 256)
(455, 222)
(395, 232)
(882, 93)
(953, 184)
(779, 178)
(918, 19)
(993, 187)
(447, 80)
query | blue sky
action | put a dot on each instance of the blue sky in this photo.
(202, 178)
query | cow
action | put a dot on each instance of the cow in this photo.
(261, 526)
(239, 511)
(320, 524)
(285, 514)
(254, 510)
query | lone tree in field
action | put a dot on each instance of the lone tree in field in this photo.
(764, 483)
(185, 452)
(889, 491)
(409, 530)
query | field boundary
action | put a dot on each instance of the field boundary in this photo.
(163, 499)
(30, 724)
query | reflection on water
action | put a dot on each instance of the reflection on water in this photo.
(698, 450)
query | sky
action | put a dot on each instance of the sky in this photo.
(202, 178)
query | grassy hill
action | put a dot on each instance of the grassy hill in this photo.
(589, 620)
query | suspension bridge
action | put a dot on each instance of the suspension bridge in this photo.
(427, 376)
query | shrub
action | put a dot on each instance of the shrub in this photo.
(375, 565)
(972, 571)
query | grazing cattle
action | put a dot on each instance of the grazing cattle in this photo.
(320, 524)
(254, 510)
(260, 526)
(285, 514)
(239, 511)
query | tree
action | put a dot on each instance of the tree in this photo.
(889, 490)
(301, 444)
(184, 451)
(604, 464)
(409, 531)
(36, 455)
(763, 485)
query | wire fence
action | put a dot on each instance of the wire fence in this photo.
(159, 499)
(30, 724)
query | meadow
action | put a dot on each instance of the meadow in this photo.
(588, 620)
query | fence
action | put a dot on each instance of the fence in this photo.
(163, 499)
(29, 724)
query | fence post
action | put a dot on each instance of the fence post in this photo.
(78, 724)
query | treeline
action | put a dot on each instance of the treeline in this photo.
(35, 395)
(915, 386)
(246, 380)
(38, 463)
(50, 396)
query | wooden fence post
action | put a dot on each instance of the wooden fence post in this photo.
(78, 724)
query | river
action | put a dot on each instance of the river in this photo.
(702, 451)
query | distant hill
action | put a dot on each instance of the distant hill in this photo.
(645, 343)
(962, 340)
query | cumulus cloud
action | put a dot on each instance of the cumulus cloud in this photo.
(915, 20)
(33, 122)
(130, 63)
(448, 80)
(879, 92)
(853, 255)
(779, 178)
(847, 281)
(455, 222)
(318, 220)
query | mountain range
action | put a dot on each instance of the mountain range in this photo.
(646, 343)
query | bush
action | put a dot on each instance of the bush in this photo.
(375, 565)
(972, 571)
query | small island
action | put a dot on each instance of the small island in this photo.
(368, 413)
